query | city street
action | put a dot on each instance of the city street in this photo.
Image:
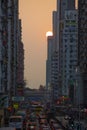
(43, 66)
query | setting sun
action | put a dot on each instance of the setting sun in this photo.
(49, 33)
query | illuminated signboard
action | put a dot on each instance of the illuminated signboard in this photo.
(18, 98)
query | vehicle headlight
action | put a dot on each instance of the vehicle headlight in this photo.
(31, 127)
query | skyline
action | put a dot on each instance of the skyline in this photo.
(36, 19)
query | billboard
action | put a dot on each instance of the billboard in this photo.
(18, 98)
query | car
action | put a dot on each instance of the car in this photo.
(43, 121)
(56, 126)
(31, 126)
(24, 123)
(52, 122)
(66, 117)
(45, 127)
(21, 113)
(16, 122)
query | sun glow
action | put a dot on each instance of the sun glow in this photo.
(49, 33)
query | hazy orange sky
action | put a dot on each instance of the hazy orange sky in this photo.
(36, 18)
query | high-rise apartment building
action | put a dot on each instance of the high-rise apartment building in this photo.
(57, 56)
(62, 6)
(70, 52)
(9, 41)
(3, 46)
(82, 46)
(56, 90)
(20, 63)
(13, 43)
(50, 50)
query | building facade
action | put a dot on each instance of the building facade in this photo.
(20, 64)
(3, 46)
(57, 57)
(50, 50)
(82, 46)
(9, 41)
(62, 6)
(70, 52)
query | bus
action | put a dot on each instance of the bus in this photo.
(16, 122)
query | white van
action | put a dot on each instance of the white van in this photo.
(16, 122)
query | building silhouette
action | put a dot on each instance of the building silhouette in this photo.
(10, 47)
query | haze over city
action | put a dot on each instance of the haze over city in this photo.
(36, 21)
